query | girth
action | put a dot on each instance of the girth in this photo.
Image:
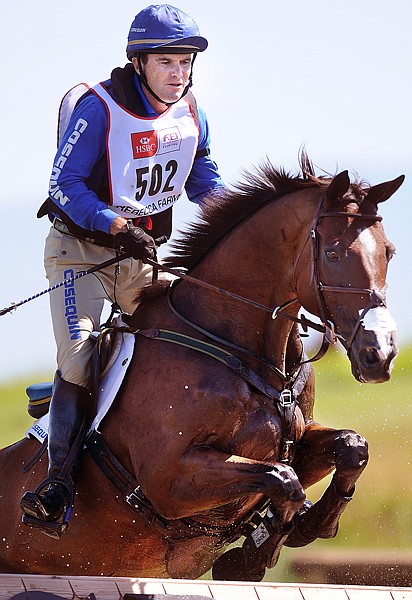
(179, 529)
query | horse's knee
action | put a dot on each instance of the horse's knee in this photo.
(351, 451)
(285, 489)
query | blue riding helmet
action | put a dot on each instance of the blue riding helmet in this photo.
(164, 28)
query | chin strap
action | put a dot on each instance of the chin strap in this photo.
(143, 80)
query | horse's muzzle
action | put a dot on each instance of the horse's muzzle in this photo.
(372, 356)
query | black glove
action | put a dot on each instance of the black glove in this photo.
(137, 242)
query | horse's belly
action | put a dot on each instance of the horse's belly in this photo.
(190, 559)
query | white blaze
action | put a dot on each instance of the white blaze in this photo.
(379, 320)
(368, 242)
(376, 319)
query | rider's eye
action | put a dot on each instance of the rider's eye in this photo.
(332, 255)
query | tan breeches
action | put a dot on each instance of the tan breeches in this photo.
(76, 307)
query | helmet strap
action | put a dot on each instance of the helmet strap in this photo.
(143, 80)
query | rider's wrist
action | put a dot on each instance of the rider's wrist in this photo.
(119, 225)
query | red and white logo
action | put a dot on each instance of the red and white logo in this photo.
(144, 144)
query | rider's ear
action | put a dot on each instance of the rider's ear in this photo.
(136, 64)
(338, 188)
(383, 191)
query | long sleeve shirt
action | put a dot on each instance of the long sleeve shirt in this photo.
(82, 178)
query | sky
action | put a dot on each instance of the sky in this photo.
(334, 77)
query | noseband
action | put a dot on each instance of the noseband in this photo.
(376, 297)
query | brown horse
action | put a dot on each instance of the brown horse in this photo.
(209, 450)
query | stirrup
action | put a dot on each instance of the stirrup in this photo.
(51, 528)
(67, 484)
(56, 528)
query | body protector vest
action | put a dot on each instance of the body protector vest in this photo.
(148, 159)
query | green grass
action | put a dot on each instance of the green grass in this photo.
(13, 407)
(380, 514)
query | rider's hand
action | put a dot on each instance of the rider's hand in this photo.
(137, 242)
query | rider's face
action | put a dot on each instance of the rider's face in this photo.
(167, 74)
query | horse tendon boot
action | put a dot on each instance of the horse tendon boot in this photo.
(260, 551)
(319, 520)
(50, 511)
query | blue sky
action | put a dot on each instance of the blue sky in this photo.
(335, 76)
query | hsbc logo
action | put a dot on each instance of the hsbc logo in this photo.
(144, 144)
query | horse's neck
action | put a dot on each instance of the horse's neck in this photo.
(255, 260)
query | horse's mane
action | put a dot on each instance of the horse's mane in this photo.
(223, 210)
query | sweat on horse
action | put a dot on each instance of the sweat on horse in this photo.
(212, 435)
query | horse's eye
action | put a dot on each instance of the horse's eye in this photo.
(332, 255)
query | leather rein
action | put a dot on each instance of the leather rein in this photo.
(326, 327)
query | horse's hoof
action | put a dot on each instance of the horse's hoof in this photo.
(231, 567)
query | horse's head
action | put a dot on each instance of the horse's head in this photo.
(350, 256)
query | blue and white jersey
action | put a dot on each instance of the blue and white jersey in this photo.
(105, 147)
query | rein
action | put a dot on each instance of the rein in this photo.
(327, 327)
(278, 311)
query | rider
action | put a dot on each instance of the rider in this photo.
(131, 146)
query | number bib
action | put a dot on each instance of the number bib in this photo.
(149, 159)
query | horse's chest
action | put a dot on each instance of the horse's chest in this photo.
(263, 434)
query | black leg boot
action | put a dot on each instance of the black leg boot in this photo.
(48, 507)
(319, 520)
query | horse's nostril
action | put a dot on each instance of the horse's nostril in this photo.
(370, 357)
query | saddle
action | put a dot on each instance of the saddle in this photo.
(107, 342)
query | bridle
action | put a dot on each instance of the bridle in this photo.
(376, 297)
(326, 327)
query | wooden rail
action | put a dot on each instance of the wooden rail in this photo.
(363, 567)
(36, 587)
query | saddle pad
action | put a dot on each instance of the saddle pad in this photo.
(108, 389)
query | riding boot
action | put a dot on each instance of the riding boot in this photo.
(48, 507)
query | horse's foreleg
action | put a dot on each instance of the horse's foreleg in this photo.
(347, 452)
(205, 479)
(208, 479)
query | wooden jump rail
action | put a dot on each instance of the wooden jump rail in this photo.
(355, 567)
(38, 587)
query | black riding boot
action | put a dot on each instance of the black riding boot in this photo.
(48, 507)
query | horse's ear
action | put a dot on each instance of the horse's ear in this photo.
(383, 191)
(338, 187)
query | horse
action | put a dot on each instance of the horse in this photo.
(212, 439)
